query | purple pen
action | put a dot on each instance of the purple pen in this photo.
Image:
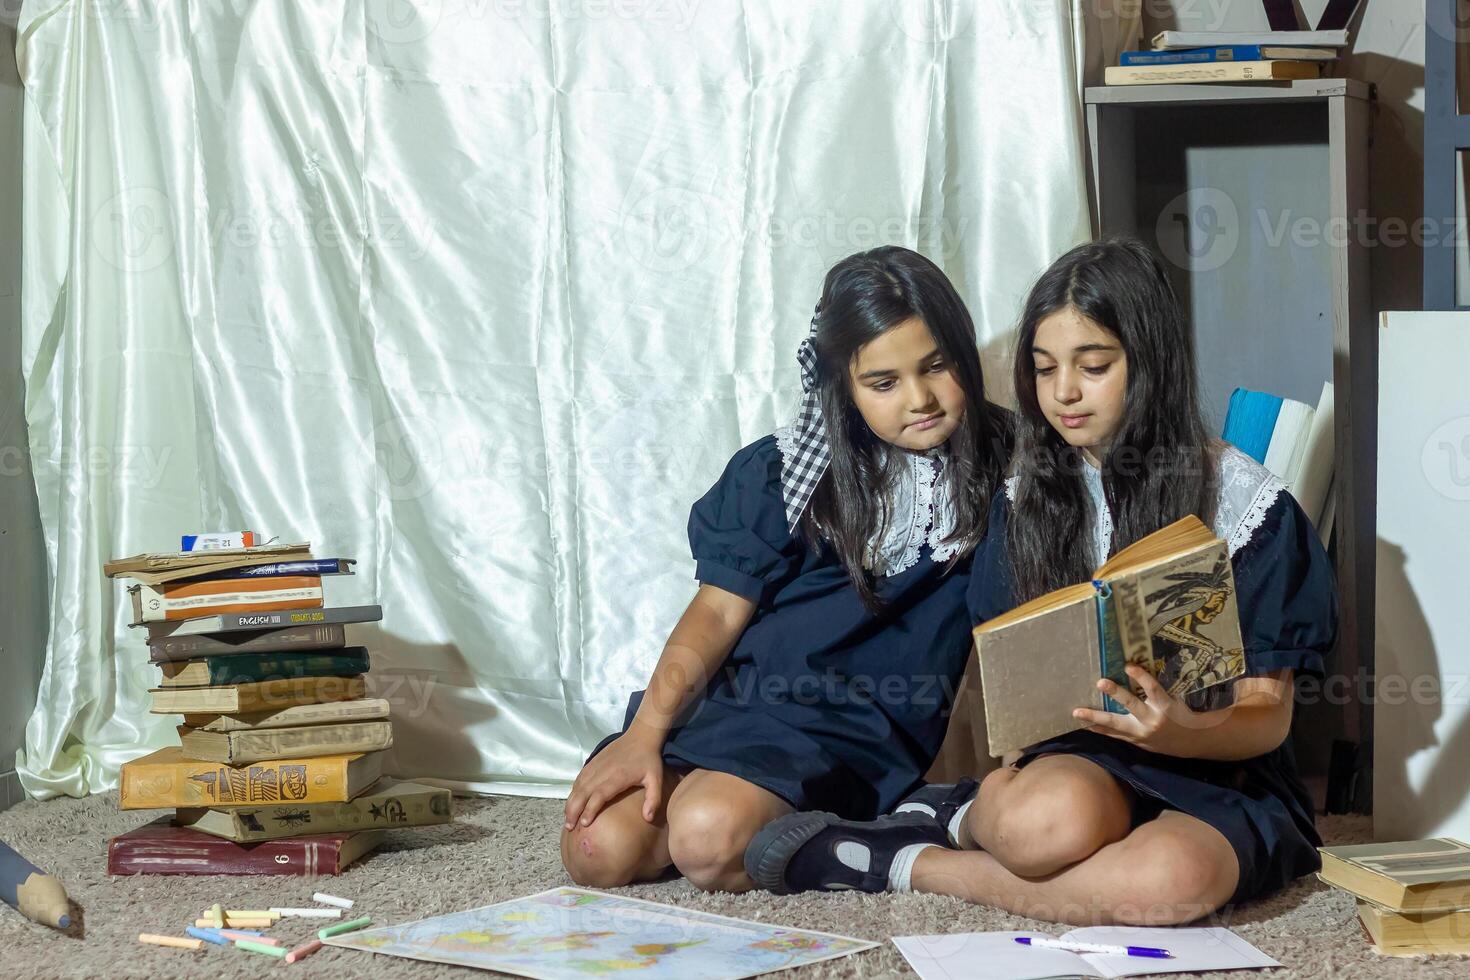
(1148, 952)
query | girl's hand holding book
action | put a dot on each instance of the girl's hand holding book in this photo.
(1156, 721)
(635, 758)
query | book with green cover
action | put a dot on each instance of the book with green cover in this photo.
(1166, 603)
(389, 804)
(246, 668)
(238, 748)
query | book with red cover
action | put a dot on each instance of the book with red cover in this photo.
(160, 848)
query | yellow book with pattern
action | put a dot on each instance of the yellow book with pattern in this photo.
(167, 779)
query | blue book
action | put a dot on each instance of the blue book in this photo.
(1250, 421)
(1226, 52)
(305, 566)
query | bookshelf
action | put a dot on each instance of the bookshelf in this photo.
(1257, 195)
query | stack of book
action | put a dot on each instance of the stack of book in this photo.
(1413, 896)
(280, 754)
(1184, 57)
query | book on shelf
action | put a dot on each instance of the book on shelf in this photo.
(233, 699)
(293, 638)
(319, 713)
(273, 620)
(160, 848)
(1175, 40)
(247, 668)
(390, 804)
(1416, 933)
(1165, 602)
(186, 600)
(1227, 52)
(165, 778)
(239, 748)
(1402, 876)
(1219, 71)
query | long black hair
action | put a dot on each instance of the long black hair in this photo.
(864, 296)
(1158, 467)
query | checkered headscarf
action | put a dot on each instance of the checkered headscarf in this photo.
(802, 469)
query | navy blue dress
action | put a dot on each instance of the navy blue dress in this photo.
(1288, 617)
(821, 702)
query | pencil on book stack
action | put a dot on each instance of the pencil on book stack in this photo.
(1413, 897)
(277, 770)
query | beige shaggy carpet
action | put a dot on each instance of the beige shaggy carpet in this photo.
(504, 847)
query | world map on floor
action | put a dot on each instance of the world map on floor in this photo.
(574, 932)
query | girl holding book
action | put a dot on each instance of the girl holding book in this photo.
(1176, 808)
(833, 559)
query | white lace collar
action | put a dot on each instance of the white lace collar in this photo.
(921, 509)
(1247, 491)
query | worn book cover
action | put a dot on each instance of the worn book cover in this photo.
(1402, 876)
(167, 649)
(249, 668)
(307, 741)
(272, 620)
(327, 712)
(158, 568)
(389, 804)
(160, 848)
(187, 600)
(1167, 603)
(167, 779)
(256, 696)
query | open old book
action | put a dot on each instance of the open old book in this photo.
(1166, 602)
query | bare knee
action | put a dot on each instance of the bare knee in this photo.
(1177, 879)
(707, 839)
(1038, 826)
(604, 854)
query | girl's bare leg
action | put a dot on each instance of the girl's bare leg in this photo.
(712, 816)
(620, 847)
(1172, 869)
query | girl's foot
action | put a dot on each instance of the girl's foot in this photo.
(821, 852)
(944, 803)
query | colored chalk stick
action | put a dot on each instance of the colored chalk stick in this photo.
(303, 951)
(342, 927)
(208, 935)
(254, 937)
(177, 942)
(216, 916)
(255, 914)
(259, 947)
(325, 899)
(309, 913)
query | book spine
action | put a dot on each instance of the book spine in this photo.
(281, 618)
(296, 743)
(167, 602)
(314, 566)
(1109, 644)
(1195, 56)
(268, 641)
(365, 813)
(158, 786)
(250, 668)
(217, 856)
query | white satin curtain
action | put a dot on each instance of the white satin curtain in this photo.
(482, 293)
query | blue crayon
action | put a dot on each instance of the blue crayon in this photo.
(37, 896)
(208, 935)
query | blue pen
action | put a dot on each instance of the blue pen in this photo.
(1149, 952)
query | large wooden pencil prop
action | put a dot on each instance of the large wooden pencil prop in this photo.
(33, 894)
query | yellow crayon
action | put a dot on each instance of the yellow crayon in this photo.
(253, 914)
(236, 923)
(216, 916)
(177, 942)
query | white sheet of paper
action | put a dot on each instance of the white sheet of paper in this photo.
(997, 955)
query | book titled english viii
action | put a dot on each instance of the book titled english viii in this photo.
(1166, 603)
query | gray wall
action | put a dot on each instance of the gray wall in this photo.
(22, 554)
(1387, 50)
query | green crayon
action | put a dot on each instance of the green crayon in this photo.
(342, 927)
